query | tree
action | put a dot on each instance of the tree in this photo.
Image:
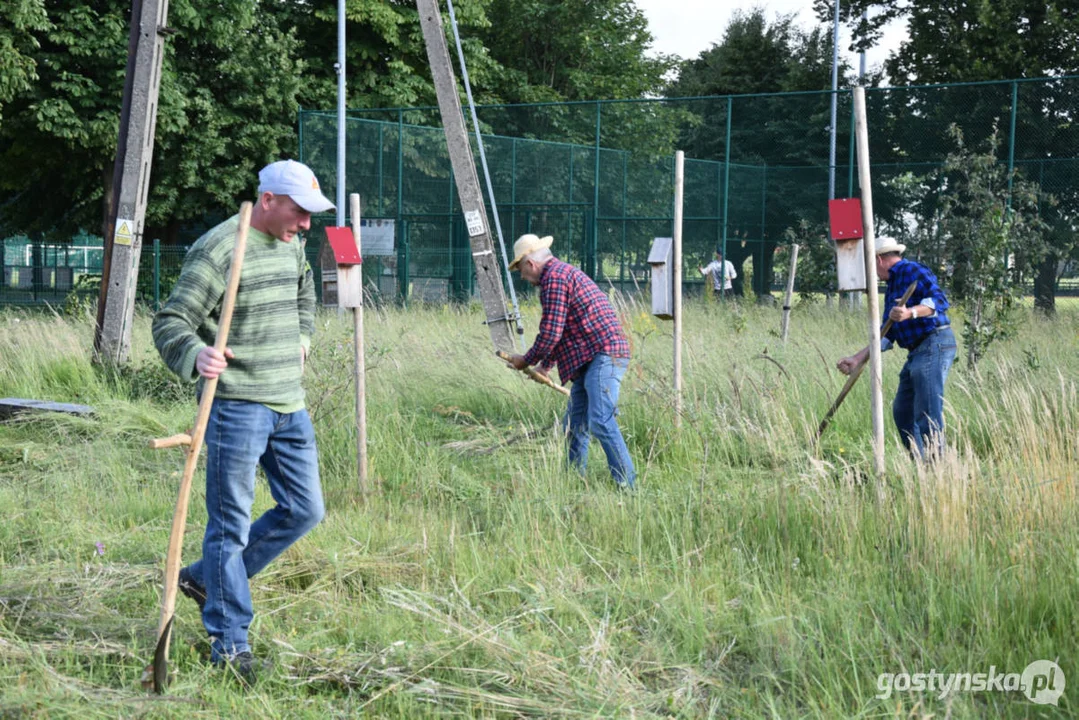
(19, 19)
(552, 51)
(385, 53)
(816, 272)
(756, 57)
(992, 235)
(558, 50)
(59, 133)
(970, 41)
(226, 106)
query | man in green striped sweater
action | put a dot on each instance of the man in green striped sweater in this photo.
(258, 416)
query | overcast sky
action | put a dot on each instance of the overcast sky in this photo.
(687, 27)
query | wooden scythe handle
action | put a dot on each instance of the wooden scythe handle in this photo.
(857, 372)
(536, 376)
(179, 517)
(170, 441)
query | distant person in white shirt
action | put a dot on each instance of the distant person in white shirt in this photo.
(722, 272)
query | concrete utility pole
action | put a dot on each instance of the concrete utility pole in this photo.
(488, 274)
(131, 181)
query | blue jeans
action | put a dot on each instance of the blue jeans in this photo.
(593, 407)
(239, 436)
(918, 408)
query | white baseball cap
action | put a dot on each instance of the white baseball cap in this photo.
(288, 177)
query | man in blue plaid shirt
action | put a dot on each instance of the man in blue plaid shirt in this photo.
(580, 334)
(922, 328)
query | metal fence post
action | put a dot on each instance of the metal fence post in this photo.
(1011, 145)
(513, 188)
(399, 225)
(299, 129)
(595, 192)
(35, 266)
(766, 281)
(157, 274)
(622, 266)
(381, 129)
(850, 157)
(726, 195)
(569, 220)
(402, 265)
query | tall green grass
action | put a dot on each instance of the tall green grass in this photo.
(755, 572)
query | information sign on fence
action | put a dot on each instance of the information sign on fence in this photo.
(378, 236)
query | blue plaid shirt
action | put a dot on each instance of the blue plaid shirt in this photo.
(909, 333)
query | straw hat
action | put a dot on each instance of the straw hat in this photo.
(889, 245)
(528, 244)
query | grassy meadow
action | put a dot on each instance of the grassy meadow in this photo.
(753, 574)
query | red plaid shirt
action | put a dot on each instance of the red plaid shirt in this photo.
(578, 322)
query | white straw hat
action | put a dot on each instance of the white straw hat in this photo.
(889, 245)
(527, 244)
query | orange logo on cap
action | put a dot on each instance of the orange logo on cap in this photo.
(314, 183)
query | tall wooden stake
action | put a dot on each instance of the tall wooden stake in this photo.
(790, 291)
(869, 243)
(361, 366)
(679, 185)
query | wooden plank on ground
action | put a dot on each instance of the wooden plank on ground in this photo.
(10, 407)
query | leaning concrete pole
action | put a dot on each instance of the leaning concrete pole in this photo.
(131, 181)
(869, 243)
(488, 274)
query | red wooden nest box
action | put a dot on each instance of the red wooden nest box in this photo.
(845, 219)
(347, 255)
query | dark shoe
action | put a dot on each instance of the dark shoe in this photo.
(189, 587)
(245, 665)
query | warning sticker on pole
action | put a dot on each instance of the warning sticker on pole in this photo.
(125, 231)
(474, 221)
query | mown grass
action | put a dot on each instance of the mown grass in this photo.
(753, 574)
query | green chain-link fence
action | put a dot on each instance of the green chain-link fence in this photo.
(599, 175)
(36, 273)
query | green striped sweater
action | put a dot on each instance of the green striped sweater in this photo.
(273, 318)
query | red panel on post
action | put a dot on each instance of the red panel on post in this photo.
(845, 215)
(344, 245)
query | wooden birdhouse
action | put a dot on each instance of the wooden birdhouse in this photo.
(845, 218)
(661, 258)
(347, 257)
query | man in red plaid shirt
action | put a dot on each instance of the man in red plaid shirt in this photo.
(581, 335)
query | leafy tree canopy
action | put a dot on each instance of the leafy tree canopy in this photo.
(236, 71)
(969, 40)
(19, 19)
(554, 50)
(756, 56)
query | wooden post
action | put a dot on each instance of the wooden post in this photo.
(361, 367)
(679, 184)
(790, 292)
(870, 244)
